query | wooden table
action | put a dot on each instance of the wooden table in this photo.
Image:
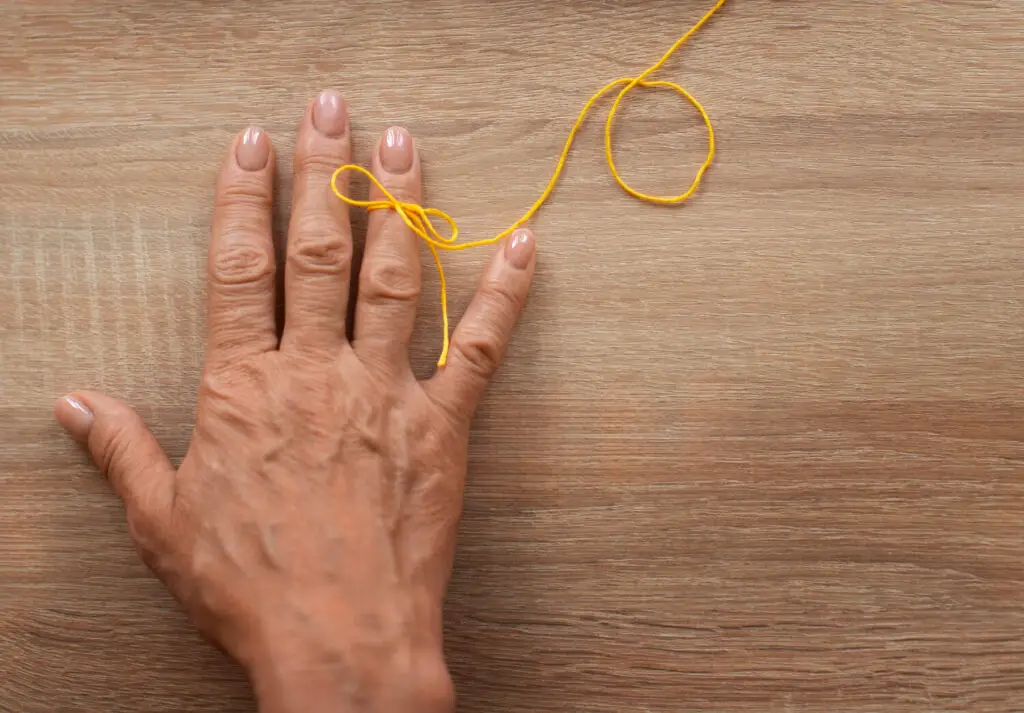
(762, 452)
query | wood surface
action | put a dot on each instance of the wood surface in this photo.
(762, 452)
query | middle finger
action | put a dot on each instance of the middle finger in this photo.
(317, 271)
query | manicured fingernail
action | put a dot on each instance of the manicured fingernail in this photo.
(253, 150)
(329, 114)
(75, 417)
(519, 248)
(396, 150)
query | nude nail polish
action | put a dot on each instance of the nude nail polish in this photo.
(253, 150)
(330, 114)
(75, 417)
(519, 248)
(396, 150)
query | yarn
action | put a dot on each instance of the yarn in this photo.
(418, 218)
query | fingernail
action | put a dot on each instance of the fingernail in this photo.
(253, 150)
(519, 248)
(396, 150)
(75, 417)
(329, 113)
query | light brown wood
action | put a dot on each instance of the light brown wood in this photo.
(763, 452)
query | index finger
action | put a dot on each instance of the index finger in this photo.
(240, 268)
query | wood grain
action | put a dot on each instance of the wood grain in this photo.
(763, 452)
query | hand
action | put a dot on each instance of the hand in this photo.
(311, 526)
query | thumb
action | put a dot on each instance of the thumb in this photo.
(122, 446)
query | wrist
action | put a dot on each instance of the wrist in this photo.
(337, 677)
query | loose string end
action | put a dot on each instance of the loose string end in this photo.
(446, 339)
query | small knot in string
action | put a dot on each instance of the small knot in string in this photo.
(418, 218)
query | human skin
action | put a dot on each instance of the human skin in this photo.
(310, 529)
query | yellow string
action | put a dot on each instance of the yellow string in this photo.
(418, 218)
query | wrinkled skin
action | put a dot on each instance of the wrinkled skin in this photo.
(310, 529)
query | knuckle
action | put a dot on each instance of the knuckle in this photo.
(480, 352)
(240, 263)
(502, 298)
(115, 449)
(405, 188)
(312, 162)
(391, 281)
(319, 247)
(243, 190)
